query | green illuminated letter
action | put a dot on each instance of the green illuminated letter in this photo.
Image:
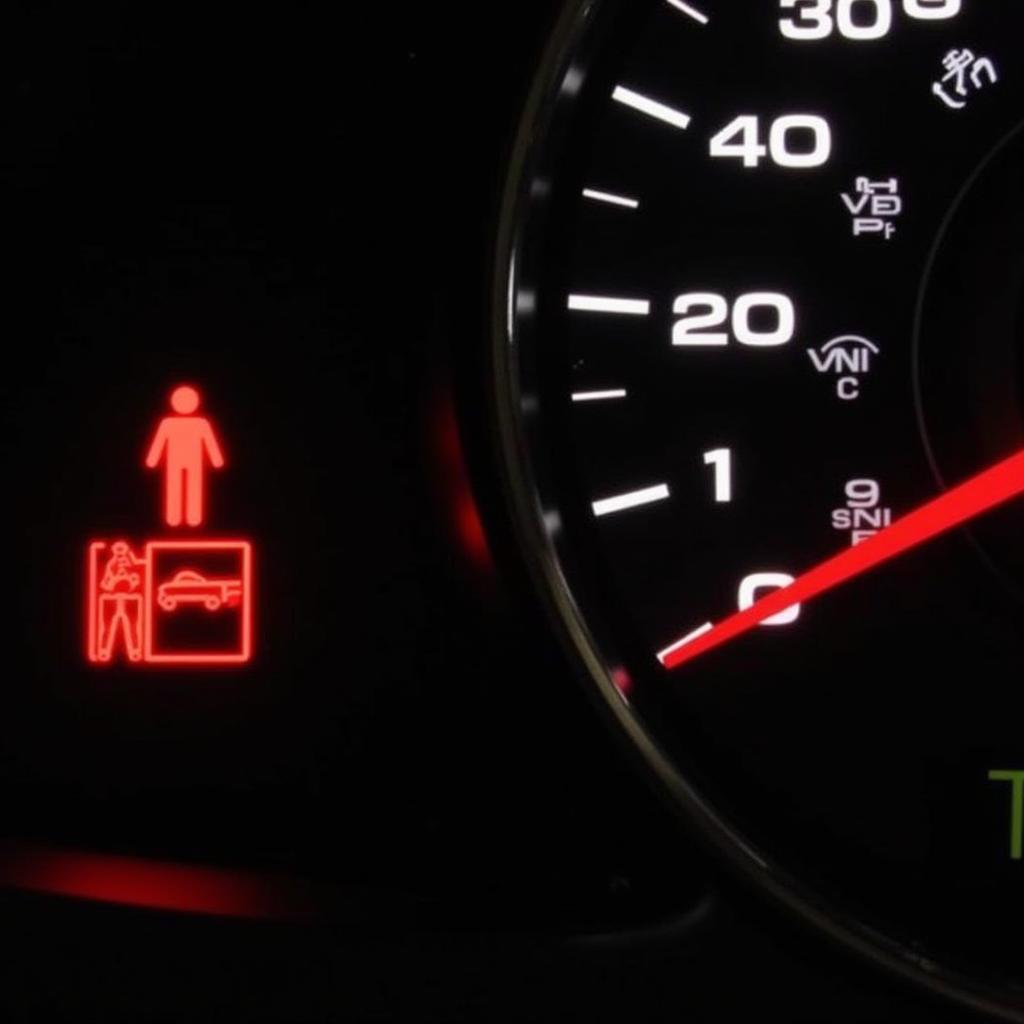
(1016, 809)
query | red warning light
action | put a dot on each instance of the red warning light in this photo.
(116, 611)
(173, 602)
(184, 442)
(154, 608)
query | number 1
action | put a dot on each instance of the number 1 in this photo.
(721, 459)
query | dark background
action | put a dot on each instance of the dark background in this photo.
(295, 208)
(829, 746)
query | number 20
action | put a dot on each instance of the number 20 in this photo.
(692, 329)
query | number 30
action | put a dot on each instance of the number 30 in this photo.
(815, 20)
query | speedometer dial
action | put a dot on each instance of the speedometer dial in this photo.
(760, 389)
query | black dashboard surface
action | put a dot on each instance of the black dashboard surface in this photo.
(297, 206)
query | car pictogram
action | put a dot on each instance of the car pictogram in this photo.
(189, 587)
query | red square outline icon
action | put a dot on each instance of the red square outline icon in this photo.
(244, 650)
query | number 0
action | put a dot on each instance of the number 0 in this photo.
(780, 138)
(877, 28)
(780, 306)
(750, 591)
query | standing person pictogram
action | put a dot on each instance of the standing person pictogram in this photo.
(185, 443)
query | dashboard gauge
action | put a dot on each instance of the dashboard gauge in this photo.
(760, 392)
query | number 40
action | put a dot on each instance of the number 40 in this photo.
(741, 139)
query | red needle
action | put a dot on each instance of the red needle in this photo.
(991, 487)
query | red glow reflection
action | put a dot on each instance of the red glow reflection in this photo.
(155, 885)
(622, 680)
(458, 495)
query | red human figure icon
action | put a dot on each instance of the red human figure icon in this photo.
(185, 443)
(120, 604)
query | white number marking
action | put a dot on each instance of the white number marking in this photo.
(721, 459)
(932, 10)
(740, 139)
(749, 593)
(692, 329)
(813, 20)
